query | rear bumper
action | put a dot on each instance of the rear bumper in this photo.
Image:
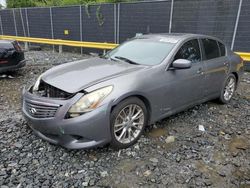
(13, 67)
(86, 131)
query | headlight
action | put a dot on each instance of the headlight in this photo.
(90, 101)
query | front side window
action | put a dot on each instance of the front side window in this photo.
(190, 51)
(142, 51)
(210, 48)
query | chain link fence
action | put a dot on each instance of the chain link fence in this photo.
(228, 20)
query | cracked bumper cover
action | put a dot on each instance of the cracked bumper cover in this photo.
(88, 130)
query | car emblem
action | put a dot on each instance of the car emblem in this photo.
(32, 110)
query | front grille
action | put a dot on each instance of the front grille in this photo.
(46, 90)
(40, 111)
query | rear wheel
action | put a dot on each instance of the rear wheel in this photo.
(128, 120)
(228, 89)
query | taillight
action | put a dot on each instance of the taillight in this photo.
(241, 60)
(17, 46)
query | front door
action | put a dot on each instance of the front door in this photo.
(185, 87)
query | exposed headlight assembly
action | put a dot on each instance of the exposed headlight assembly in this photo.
(37, 83)
(89, 101)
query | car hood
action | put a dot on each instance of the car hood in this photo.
(75, 76)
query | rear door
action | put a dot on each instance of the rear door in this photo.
(216, 65)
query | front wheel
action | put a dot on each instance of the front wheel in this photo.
(128, 120)
(228, 89)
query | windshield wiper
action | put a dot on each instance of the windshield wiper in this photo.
(107, 57)
(127, 60)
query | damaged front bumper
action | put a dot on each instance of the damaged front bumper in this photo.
(47, 117)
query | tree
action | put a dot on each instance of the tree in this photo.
(42, 3)
(19, 3)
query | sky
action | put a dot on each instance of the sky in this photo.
(2, 2)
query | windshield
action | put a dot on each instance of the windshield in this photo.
(142, 51)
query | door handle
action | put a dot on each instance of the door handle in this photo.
(226, 64)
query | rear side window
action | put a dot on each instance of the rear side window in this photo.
(211, 49)
(190, 51)
(222, 49)
(6, 45)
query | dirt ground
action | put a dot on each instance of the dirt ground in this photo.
(171, 153)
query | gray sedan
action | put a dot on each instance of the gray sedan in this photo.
(111, 99)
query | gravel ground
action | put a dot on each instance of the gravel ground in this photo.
(172, 153)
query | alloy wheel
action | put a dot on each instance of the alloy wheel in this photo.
(229, 89)
(129, 123)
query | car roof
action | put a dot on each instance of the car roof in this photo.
(174, 36)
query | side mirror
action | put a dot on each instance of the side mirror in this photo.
(182, 64)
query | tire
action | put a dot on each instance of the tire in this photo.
(124, 121)
(226, 98)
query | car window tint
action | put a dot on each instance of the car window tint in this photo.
(190, 51)
(222, 49)
(210, 48)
